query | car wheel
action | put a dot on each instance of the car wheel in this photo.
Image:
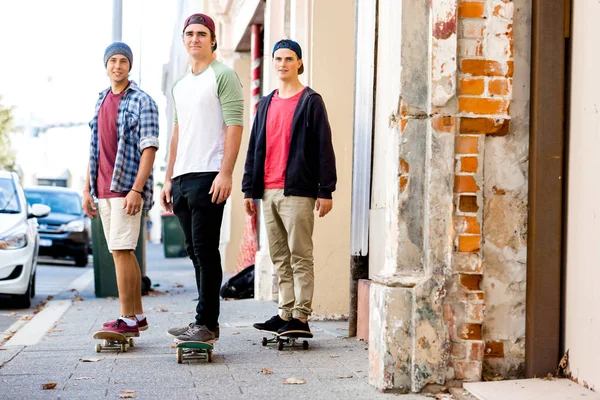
(23, 300)
(81, 260)
(32, 294)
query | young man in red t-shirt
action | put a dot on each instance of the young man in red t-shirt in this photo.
(290, 165)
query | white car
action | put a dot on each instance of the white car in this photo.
(19, 240)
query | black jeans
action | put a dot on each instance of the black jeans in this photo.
(201, 220)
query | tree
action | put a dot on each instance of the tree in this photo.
(7, 156)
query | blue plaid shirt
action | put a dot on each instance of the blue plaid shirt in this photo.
(137, 129)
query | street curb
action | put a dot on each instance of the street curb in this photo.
(40, 324)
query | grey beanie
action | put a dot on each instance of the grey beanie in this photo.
(118, 48)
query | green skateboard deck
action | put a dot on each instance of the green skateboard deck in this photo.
(194, 351)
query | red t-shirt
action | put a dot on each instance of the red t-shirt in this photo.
(279, 130)
(108, 141)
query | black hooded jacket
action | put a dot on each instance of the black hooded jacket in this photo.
(310, 170)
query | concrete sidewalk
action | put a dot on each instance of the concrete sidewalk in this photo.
(334, 367)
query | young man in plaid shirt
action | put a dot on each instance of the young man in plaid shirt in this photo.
(123, 146)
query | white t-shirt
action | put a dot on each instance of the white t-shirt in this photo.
(205, 105)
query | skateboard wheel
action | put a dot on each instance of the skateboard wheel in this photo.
(210, 356)
(131, 342)
(179, 355)
(264, 341)
(124, 347)
(279, 345)
(98, 347)
(305, 345)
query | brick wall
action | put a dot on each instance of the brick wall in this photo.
(486, 68)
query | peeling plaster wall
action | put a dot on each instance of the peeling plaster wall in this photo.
(505, 192)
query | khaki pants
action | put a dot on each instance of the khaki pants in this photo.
(289, 222)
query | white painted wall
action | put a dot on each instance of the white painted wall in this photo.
(582, 329)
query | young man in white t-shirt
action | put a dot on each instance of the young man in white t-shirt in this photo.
(209, 109)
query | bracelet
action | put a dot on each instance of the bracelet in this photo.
(86, 190)
(137, 191)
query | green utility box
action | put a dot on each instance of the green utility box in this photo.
(105, 277)
(172, 236)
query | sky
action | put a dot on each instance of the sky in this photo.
(51, 70)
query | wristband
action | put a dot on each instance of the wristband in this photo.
(137, 191)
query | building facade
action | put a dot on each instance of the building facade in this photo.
(446, 245)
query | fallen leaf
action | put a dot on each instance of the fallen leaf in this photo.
(235, 333)
(83, 378)
(243, 380)
(127, 391)
(333, 356)
(177, 285)
(358, 370)
(127, 396)
(2, 348)
(90, 359)
(56, 330)
(8, 337)
(49, 385)
(266, 371)
(26, 317)
(79, 298)
(345, 377)
(294, 381)
(173, 346)
(161, 309)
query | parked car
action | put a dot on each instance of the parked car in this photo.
(19, 240)
(66, 232)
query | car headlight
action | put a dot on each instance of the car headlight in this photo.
(16, 239)
(74, 226)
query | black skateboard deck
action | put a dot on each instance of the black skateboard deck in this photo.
(194, 351)
(112, 341)
(289, 339)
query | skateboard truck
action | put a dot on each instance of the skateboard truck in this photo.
(113, 341)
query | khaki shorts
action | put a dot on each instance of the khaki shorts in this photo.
(121, 230)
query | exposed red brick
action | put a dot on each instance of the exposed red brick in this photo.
(500, 86)
(469, 164)
(483, 106)
(476, 351)
(466, 145)
(467, 225)
(469, 244)
(487, 126)
(468, 204)
(471, 86)
(465, 184)
(403, 183)
(469, 331)
(486, 68)
(444, 123)
(494, 350)
(471, 281)
(472, 9)
(404, 167)
(467, 370)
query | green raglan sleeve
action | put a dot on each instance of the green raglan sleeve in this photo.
(231, 95)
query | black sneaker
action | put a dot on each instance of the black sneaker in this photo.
(295, 327)
(272, 325)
